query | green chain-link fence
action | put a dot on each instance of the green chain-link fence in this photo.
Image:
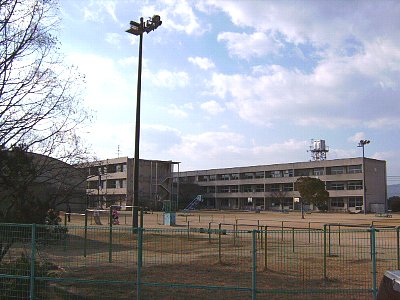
(100, 262)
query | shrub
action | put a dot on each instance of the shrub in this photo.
(18, 288)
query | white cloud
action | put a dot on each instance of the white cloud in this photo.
(94, 11)
(114, 38)
(176, 111)
(245, 45)
(168, 79)
(357, 137)
(212, 107)
(334, 94)
(319, 22)
(104, 81)
(203, 63)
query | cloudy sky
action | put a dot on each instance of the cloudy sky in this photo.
(236, 83)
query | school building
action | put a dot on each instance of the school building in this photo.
(354, 184)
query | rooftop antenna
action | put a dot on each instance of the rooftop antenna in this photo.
(118, 152)
(318, 150)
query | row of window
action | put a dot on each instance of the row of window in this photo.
(352, 202)
(278, 187)
(284, 173)
(113, 168)
(109, 184)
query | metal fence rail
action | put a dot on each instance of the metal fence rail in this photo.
(218, 262)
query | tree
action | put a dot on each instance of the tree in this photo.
(312, 190)
(394, 203)
(40, 112)
(280, 196)
(40, 103)
(40, 99)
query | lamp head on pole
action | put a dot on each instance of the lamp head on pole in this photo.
(150, 25)
(362, 143)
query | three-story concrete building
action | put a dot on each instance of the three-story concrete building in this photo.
(272, 187)
(110, 182)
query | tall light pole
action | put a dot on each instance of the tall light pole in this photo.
(138, 29)
(362, 144)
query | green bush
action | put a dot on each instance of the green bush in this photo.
(394, 203)
(18, 288)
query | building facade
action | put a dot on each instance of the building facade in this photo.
(110, 182)
(271, 187)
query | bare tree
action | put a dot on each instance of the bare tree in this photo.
(40, 101)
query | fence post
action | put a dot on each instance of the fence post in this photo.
(254, 270)
(209, 232)
(309, 232)
(373, 253)
(85, 240)
(219, 243)
(139, 263)
(339, 234)
(282, 231)
(293, 239)
(188, 230)
(234, 235)
(329, 239)
(33, 260)
(398, 246)
(141, 211)
(237, 227)
(110, 237)
(265, 249)
(325, 251)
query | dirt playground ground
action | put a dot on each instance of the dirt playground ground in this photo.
(202, 219)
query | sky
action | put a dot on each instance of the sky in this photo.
(240, 83)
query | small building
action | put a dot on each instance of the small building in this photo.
(271, 187)
(110, 182)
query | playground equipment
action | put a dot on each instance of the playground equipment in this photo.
(195, 202)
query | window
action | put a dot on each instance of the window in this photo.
(260, 175)
(337, 170)
(111, 184)
(225, 177)
(337, 185)
(288, 187)
(234, 189)
(337, 202)
(318, 171)
(111, 168)
(355, 185)
(203, 178)
(275, 188)
(223, 189)
(213, 177)
(259, 188)
(247, 189)
(288, 173)
(276, 174)
(248, 175)
(355, 201)
(235, 176)
(354, 169)
(211, 189)
(302, 172)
